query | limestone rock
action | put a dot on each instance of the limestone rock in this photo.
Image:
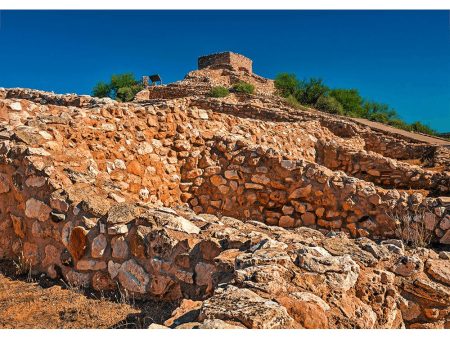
(439, 270)
(37, 209)
(98, 246)
(133, 277)
(407, 266)
(246, 307)
(341, 271)
(119, 247)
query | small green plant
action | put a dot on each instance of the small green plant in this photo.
(219, 92)
(330, 105)
(244, 87)
(292, 101)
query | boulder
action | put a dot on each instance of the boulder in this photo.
(246, 307)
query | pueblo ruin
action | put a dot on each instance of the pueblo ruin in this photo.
(246, 211)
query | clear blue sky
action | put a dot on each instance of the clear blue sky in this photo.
(398, 57)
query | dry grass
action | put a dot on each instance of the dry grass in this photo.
(412, 230)
(22, 266)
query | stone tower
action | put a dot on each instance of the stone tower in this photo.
(228, 60)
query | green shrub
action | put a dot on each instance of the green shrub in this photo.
(122, 80)
(350, 100)
(286, 84)
(219, 92)
(377, 109)
(122, 87)
(310, 91)
(330, 105)
(400, 124)
(292, 101)
(314, 92)
(101, 89)
(379, 117)
(421, 128)
(244, 87)
(126, 94)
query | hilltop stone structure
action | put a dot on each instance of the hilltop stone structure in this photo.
(232, 61)
(250, 213)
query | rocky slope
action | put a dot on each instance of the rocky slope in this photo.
(254, 214)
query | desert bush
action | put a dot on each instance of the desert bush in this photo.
(101, 89)
(421, 128)
(400, 124)
(22, 266)
(286, 84)
(244, 87)
(219, 92)
(292, 101)
(330, 105)
(314, 92)
(371, 108)
(122, 87)
(350, 100)
(126, 94)
(310, 91)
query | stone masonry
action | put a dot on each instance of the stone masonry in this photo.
(254, 214)
(230, 60)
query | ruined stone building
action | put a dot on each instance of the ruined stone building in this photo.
(266, 216)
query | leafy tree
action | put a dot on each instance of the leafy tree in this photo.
(286, 84)
(244, 87)
(350, 100)
(310, 91)
(122, 80)
(122, 87)
(330, 105)
(219, 92)
(375, 108)
(314, 92)
(126, 94)
(101, 89)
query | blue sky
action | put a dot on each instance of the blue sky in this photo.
(398, 57)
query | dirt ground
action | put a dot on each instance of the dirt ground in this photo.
(41, 303)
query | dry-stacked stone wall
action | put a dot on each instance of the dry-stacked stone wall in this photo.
(235, 179)
(85, 190)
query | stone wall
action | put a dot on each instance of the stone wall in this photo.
(383, 171)
(234, 179)
(84, 195)
(230, 60)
